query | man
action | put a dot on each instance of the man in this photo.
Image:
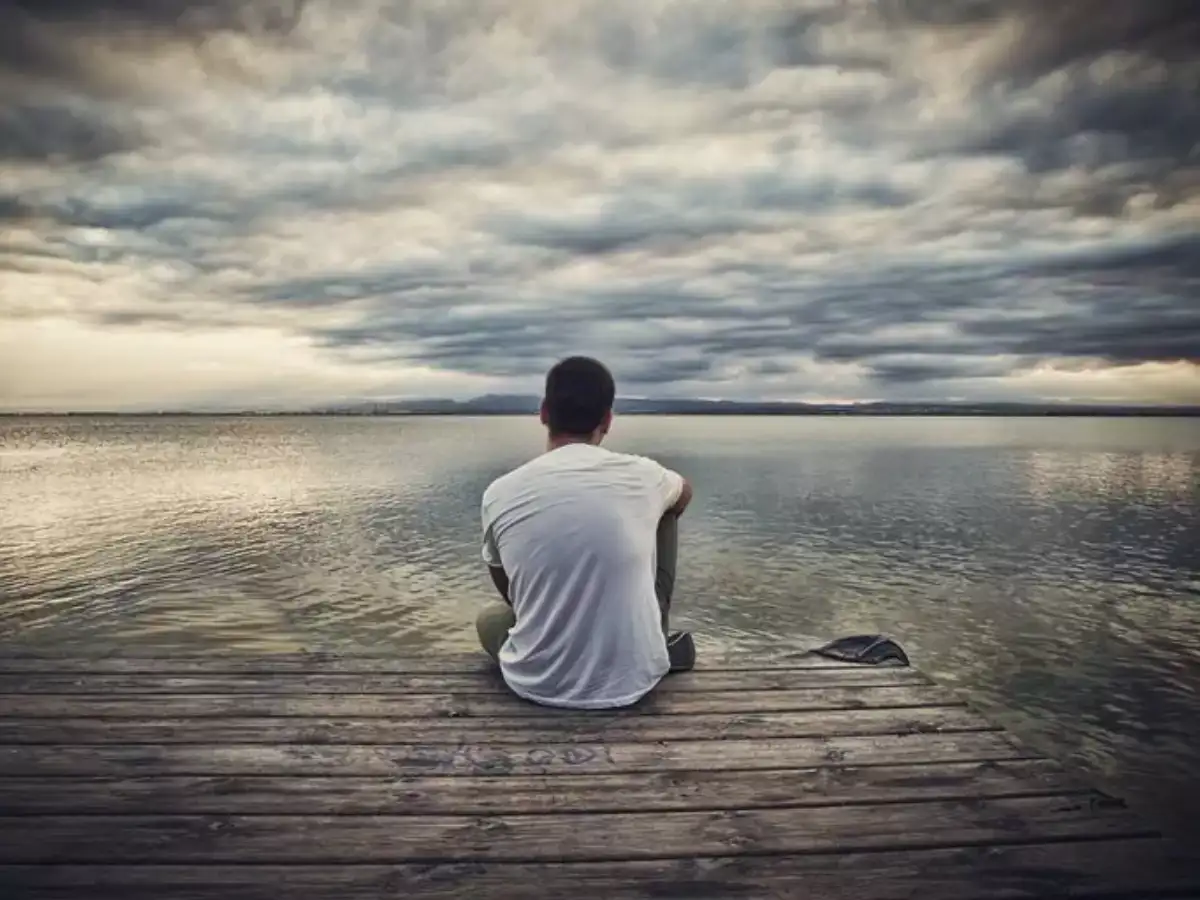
(581, 543)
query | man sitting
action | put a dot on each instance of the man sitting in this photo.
(581, 542)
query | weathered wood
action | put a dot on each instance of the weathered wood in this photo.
(565, 838)
(467, 795)
(1142, 868)
(529, 759)
(663, 703)
(123, 661)
(709, 680)
(189, 777)
(551, 728)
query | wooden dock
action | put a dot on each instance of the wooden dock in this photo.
(300, 777)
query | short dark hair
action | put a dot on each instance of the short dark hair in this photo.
(579, 393)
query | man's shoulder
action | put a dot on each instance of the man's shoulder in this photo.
(633, 461)
(503, 484)
(497, 486)
(549, 466)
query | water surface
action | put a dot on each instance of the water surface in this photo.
(1049, 568)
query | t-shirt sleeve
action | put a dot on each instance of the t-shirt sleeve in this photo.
(490, 552)
(667, 484)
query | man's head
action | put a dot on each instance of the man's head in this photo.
(579, 399)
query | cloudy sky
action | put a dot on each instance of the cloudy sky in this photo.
(260, 202)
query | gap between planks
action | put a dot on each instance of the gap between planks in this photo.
(474, 683)
(497, 730)
(107, 760)
(557, 837)
(524, 794)
(663, 702)
(17, 663)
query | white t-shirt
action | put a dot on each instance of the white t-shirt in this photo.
(575, 530)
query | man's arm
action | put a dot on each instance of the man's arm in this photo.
(491, 556)
(500, 580)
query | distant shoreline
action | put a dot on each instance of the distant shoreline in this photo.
(932, 412)
(528, 405)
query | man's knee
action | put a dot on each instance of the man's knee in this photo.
(493, 625)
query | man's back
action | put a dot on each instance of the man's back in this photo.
(574, 529)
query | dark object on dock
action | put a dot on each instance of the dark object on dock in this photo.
(868, 649)
(370, 777)
(681, 651)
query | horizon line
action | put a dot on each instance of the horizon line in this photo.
(429, 406)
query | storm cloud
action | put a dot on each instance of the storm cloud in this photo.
(294, 202)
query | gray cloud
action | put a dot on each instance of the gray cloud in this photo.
(1051, 37)
(1109, 319)
(34, 39)
(1130, 307)
(919, 371)
(13, 208)
(813, 196)
(60, 99)
(59, 131)
(1110, 88)
(700, 210)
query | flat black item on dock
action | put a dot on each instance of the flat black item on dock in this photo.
(307, 776)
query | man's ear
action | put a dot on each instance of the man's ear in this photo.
(544, 414)
(606, 425)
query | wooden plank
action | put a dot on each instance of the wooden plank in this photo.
(557, 837)
(128, 661)
(562, 727)
(1089, 869)
(529, 759)
(665, 702)
(467, 795)
(480, 682)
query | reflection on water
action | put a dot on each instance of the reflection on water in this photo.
(1049, 568)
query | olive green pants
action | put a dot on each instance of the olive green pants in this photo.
(496, 619)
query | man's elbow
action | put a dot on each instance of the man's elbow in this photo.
(685, 497)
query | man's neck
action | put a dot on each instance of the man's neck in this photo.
(562, 440)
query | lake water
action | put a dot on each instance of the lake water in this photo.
(1049, 568)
